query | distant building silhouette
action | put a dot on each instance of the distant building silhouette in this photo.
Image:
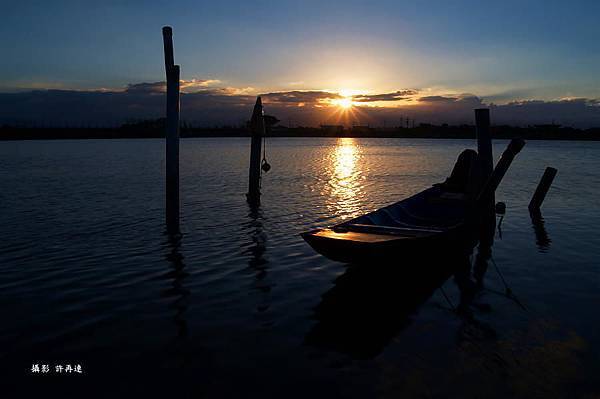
(333, 128)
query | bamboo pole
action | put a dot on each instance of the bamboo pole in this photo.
(542, 189)
(172, 134)
(168, 46)
(514, 147)
(484, 142)
(481, 211)
(487, 225)
(257, 126)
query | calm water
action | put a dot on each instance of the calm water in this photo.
(87, 275)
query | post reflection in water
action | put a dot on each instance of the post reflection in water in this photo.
(344, 190)
(179, 356)
(177, 291)
(257, 262)
(542, 239)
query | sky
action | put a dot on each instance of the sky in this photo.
(532, 61)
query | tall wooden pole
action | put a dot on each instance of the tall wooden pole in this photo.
(168, 46)
(484, 142)
(542, 189)
(484, 149)
(257, 125)
(487, 215)
(514, 147)
(172, 134)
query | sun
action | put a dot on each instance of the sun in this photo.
(344, 102)
(344, 108)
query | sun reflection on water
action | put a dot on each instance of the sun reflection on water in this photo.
(344, 185)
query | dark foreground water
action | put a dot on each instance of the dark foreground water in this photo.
(88, 276)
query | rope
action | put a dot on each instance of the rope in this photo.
(447, 299)
(265, 148)
(264, 159)
(260, 171)
(509, 292)
(500, 227)
(264, 164)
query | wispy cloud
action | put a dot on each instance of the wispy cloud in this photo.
(437, 99)
(146, 88)
(298, 96)
(395, 96)
(207, 104)
(187, 86)
(195, 84)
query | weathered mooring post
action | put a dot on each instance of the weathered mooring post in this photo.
(257, 127)
(542, 189)
(484, 144)
(172, 134)
(514, 147)
(487, 216)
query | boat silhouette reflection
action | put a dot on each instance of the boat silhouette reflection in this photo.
(368, 306)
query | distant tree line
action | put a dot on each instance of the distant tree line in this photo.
(155, 128)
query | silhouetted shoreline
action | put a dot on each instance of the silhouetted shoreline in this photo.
(425, 131)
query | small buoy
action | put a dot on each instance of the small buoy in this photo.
(265, 166)
(500, 208)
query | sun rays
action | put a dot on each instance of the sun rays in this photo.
(344, 102)
(345, 111)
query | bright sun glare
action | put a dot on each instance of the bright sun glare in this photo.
(344, 109)
(345, 102)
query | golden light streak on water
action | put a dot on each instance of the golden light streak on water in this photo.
(344, 188)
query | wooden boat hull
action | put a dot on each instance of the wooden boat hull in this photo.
(349, 247)
(432, 220)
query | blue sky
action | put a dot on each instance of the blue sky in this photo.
(498, 52)
(533, 49)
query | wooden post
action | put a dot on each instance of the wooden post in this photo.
(484, 142)
(172, 134)
(542, 189)
(482, 204)
(487, 226)
(257, 126)
(168, 46)
(484, 149)
(514, 147)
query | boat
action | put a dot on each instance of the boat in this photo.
(440, 219)
(429, 219)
